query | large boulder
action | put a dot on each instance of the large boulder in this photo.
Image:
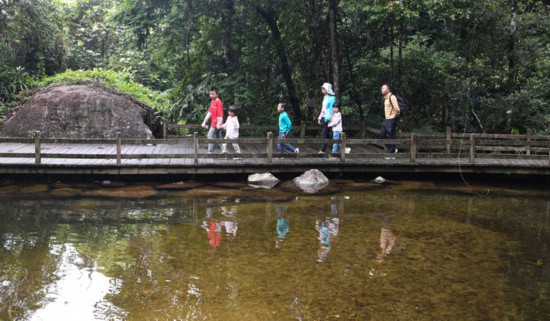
(311, 181)
(79, 111)
(262, 180)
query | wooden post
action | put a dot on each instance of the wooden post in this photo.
(37, 155)
(448, 140)
(472, 148)
(195, 148)
(118, 149)
(549, 152)
(269, 147)
(164, 128)
(528, 147)
(363, 130)
(343, 147)
(413, 148)
(302, 129)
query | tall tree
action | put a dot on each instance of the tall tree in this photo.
(270, 17)
(335, 61)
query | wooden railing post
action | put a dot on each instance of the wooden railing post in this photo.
(37, 155)
(528, 147)
(302, 129)
(343, 147)
(548, 151)
(472, 148)
(269, 147)
(448, 140)
(413, 147)
(195, 148)
(164, 128)
(118, 149)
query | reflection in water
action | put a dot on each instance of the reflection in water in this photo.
(327, 228)
(214, 227)
(282, 225)
(387, 241)
(154, 264)
(78, 293)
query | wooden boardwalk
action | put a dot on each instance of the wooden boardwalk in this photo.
(179, 156)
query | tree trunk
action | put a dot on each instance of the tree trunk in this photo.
(270, 17)
(511, 48)
(333, 5)
(227, 22)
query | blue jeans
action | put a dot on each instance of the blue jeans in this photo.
(282, 146)
(387, 131)
(336, 147)
(213, 133)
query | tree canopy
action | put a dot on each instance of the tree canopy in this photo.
(477, 66)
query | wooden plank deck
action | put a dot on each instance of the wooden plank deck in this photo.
(146, 159)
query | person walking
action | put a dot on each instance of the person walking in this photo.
(336, 125)
(326, 113)
(285, 125)
(231, 127)
(389, 125)
(215, 115)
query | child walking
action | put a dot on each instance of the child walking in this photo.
(231, 127)
(336, 125)
(285, 125)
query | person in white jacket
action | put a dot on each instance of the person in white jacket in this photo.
(231, 127)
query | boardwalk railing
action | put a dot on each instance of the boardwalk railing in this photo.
(468, 147)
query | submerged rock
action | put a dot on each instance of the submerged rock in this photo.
(129, 192)
(262, 180)
(311, 181)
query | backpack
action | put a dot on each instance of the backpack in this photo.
(402, 103)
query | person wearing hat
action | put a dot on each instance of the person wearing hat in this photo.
(326, 113)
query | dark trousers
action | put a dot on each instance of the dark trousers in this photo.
(324, 133)
(387, 131)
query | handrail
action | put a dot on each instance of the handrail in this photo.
(418, 145)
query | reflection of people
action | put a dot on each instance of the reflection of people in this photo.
(387, 241)
(230, 225)
(213, 227)
(282, 225)
(328, 230)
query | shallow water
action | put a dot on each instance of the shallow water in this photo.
(390, 254)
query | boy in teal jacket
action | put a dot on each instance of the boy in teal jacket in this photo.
(285, 125)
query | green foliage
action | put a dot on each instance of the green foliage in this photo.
(459, 63)
(12, 81)
(120, 81)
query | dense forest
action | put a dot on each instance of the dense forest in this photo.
(472, 65)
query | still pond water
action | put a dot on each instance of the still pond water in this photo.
(408, 251)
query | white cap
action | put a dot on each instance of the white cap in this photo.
(328, 88)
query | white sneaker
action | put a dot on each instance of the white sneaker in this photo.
(395, 151)
(296, 151)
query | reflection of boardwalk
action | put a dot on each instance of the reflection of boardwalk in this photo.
(172, 158)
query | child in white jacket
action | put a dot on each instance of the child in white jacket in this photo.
(336, 125)
(231, 127)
